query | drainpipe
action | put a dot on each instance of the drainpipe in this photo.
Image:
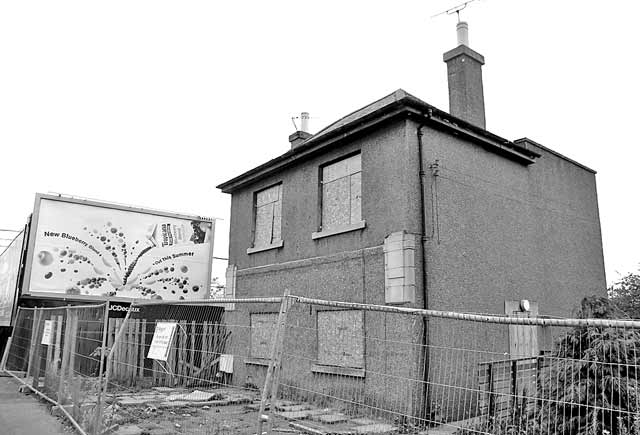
(423, 275)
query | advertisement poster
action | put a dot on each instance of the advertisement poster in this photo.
(92, 250)
(9, 270)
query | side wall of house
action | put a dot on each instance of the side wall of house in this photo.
(345, 267)
(499, 230)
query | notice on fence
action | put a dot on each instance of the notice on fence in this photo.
(46, 332)
(162, 339)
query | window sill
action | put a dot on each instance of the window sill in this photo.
(274, 245)
(335, 370)
(257, 361)
(352, 227)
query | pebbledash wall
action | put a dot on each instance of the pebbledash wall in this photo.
(345, 267)
(503, 231)
(496, 229)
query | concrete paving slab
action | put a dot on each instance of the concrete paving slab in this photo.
(129, 401)
(376, 428)
(130, 429)
(363, 421)
(300, 415)
(292, 408)
(281, 404)
(331, 418)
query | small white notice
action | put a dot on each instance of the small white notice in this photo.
(162, 339)
(226, 363)
(46, 332)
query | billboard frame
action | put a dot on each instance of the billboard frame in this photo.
(26, 283)
(17, 291)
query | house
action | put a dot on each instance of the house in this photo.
(402, 203)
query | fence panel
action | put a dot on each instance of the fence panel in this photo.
(353, 368)
(315, 366)
(187, 368)
(56, 352)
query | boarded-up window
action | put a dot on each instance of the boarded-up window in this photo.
(341, 338)
(263, 330)
(341, 193)
(268, 216)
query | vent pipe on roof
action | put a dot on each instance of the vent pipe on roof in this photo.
(464, 71)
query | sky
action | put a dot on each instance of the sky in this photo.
(154, 103)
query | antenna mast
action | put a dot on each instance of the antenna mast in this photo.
(454, 10)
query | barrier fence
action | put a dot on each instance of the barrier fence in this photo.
(55, 351)
(317, 366)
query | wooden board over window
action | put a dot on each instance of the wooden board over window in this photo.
(341, 193)
(341, 338)
(263, 330)
(268, 216)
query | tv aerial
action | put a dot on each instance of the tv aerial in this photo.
(454, 10)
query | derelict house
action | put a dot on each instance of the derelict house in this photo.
(402, 203)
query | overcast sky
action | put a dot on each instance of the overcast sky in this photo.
(153, 103)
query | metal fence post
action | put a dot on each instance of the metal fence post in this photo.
(65, 359)
(32, 343)
(275, 362)
(116, 342)
(5, 356)
(36, 359)
(98, 414)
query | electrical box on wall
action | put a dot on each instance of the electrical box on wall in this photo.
(399, 268)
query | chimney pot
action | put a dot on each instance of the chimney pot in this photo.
(462, 29)
(304, 122)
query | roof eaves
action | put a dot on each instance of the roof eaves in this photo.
(310, 146)
(526, 140)
(380, 110)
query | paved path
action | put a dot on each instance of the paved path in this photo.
(25, 414)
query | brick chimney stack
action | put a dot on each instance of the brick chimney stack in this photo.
(464, 71)
(300, 136)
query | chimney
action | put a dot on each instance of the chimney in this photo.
(464, 71)
(301, 135)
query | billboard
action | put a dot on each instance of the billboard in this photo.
(9, 272)
(87, 248)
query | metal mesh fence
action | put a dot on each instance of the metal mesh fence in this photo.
(352, 368)
(172, 368)
(299, 365)
(55, 351)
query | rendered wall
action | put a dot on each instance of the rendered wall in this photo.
(503, 231)
(499, 231)
(345, 267)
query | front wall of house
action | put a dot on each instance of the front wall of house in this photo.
(389, 194)
(345, 267)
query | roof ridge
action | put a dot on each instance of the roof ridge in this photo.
(398, 94)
